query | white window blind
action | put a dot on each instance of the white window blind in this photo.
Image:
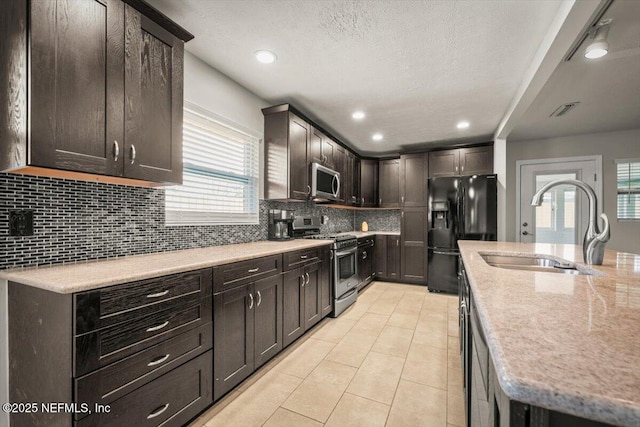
(220, 176)
(628, 189)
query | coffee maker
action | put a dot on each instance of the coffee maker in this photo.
(280, 224)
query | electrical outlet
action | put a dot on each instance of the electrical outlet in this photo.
(21, 223)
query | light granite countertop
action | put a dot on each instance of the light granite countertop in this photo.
(569, 343)
(69, 278)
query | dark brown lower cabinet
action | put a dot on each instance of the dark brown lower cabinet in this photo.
(380, 256)
(302, 300)
(268, 319)
(326, 291)
(171, 400)
(292, 306)
(312, 300)
(247, 331)
(413, 256)
(393, 257)
(233, 329)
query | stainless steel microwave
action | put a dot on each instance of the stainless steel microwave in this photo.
(325, 183)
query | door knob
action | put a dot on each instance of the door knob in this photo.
(526, 233)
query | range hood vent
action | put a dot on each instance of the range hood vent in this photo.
(564, 109)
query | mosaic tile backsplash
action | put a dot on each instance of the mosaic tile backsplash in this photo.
(77, 221)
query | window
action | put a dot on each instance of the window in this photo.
(220, 176)
(628, 189)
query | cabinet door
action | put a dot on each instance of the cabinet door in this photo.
(299, 134)
(346, 181)
(233, 334)
(368, 183)
(77, 85)
(444, 163)
(413, 180)
(340, 164)
(393, 257)
(476, 160)
(389, 196)
(292, 306)
(315, 146)
(380, 254)
(361, 265)
(268, 319)
(355, 194)
(312, 300)
(329, 148)
(326, 291)
(153, 100)
(413, 255)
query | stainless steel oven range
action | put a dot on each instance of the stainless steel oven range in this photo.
(344, 266)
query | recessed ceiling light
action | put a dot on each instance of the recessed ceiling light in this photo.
(266, 56)
(377, 137)
(358, 115)
(462, 125)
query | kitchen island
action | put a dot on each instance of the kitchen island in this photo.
(559, 345)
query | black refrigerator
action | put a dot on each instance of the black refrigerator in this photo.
(460, 208)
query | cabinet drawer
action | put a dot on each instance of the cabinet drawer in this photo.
(117, 379)
(297, 259)
(101, 347)
(239, 273)
(96, 309)
(170, 400)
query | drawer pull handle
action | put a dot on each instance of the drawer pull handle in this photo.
(254, 270)
(158, 360)
(158, 295)
(158, 411)
(304, 256)
(157, 328)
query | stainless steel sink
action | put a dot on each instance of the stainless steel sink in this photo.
(534, 263)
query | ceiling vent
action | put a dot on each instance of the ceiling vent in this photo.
(564, 109)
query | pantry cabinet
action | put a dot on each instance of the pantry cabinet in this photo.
(105, 84)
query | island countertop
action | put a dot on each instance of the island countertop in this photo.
(569, 343)
(83, 276)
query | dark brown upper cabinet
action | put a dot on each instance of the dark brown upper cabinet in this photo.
(461, 161)
(413, 180)
(349, 179)
(287, 154)
(322, 149)
(153, 100)
(389, 187)
(105, 91)
(368, 183)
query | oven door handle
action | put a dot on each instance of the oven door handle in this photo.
(347, 252)
(347, 295)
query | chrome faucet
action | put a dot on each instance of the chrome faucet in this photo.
(594, 240)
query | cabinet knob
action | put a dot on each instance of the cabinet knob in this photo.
(116, 151)
(133, 153)
(250, 300)
(259, 299)
(307, 274)
(380, 201)
(308, 189)
(402, 199)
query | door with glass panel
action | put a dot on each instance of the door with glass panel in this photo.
(563, 215)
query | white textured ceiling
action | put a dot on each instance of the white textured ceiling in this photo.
(415, 67)
(608, 89)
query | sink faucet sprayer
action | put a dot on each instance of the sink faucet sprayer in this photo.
(594, 240)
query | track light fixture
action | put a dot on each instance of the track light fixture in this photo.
(599, 45)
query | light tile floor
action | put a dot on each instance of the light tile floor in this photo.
(391, 360)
